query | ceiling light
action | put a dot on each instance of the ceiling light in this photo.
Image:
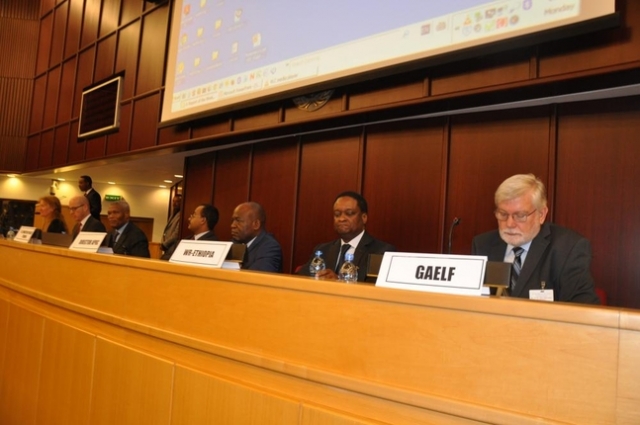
(11, 175)
(177, 176)
(163, 186)
(168, 181)
(111, 182)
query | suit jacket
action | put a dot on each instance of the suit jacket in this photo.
(209, 236)
(171, 236)
(56, 226)
(264, 254)
(95, 203)
(331, 250)
(132, 242)
(558, 256)
(91, 225)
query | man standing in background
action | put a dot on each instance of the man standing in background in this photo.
(85, 184)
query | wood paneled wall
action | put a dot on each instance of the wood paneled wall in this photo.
(418, 175)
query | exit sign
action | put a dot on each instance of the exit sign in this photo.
(112, 198)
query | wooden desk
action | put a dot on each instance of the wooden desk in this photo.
(90, 338)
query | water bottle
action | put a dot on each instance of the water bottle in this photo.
(11, 233)
(316, 264)
(348, 270)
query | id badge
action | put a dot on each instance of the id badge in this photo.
(541, 294)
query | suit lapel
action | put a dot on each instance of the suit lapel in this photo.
(332, 254)
(538, 246)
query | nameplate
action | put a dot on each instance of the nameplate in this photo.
(88, 241)
(450, 274)
(24, 234)
(201, 253)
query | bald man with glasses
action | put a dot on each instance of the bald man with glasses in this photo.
(85, 222)
(547, 259)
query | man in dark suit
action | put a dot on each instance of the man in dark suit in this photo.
(248, 227)
(540, 253)
(126, 238)
(201, 223)
(85, 184)
(79, 208)
(349, 219)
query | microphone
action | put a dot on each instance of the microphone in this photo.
(456, 221)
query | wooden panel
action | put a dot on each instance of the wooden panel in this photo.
(105, 57)
(597, 172)
(74, 27)
(481, 72)
(600, 49)
(123, 376)
(47, 5)
(53, 88)
(152, 50)
(327, 345)
(44, 44)
(198, 185)
(629, 383)
(386, 91)
(12, 153)
(37, 110)
(315, 416)
(231, 186)
(66, 95)
(172, 134)
(404, 174)
(109, 17)
(84, 77)
(32, 153)
(119, 142)
(273, 185)
(90, 22)
(329, 165)
(4, 330)
(144, 129)
(16, 95)
(485, 149)
(127, 57)
(59, 27)
(131, 9)
(60, 145)
(76, 148)
(267, 116)
(46, 149)
(201, 399)
(21, 367)
(64, 393)
(211, 127)
(96, 147)
(19, 46)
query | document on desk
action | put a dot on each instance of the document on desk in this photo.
(450, 274)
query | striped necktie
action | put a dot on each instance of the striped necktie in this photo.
(516, 267)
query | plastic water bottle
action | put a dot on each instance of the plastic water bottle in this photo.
(348, 270)
(11, 233)
(317, 264)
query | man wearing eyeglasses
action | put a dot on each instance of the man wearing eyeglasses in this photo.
(85, 222)
(549, 262)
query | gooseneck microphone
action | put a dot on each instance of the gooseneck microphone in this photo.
(456, 221)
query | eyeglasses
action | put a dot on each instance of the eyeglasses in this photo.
(193, 215)
(519, 217)
(73, 209)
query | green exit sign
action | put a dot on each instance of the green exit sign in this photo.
(112, 198)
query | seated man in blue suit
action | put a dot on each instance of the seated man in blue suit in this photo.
(248, 227)
(126, 238)
(541, 253)
(350, 214)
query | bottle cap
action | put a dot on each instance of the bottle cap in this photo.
(348, 256)
(318, 253)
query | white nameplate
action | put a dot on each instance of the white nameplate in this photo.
(450, 274)
(202, 253)
(88, 241)
(24, 234)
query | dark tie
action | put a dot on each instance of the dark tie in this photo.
(516, 266)
(343, 250)
(76, 229)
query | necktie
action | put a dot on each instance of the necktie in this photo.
(516, 266)
(343, 250)
(76, 229)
